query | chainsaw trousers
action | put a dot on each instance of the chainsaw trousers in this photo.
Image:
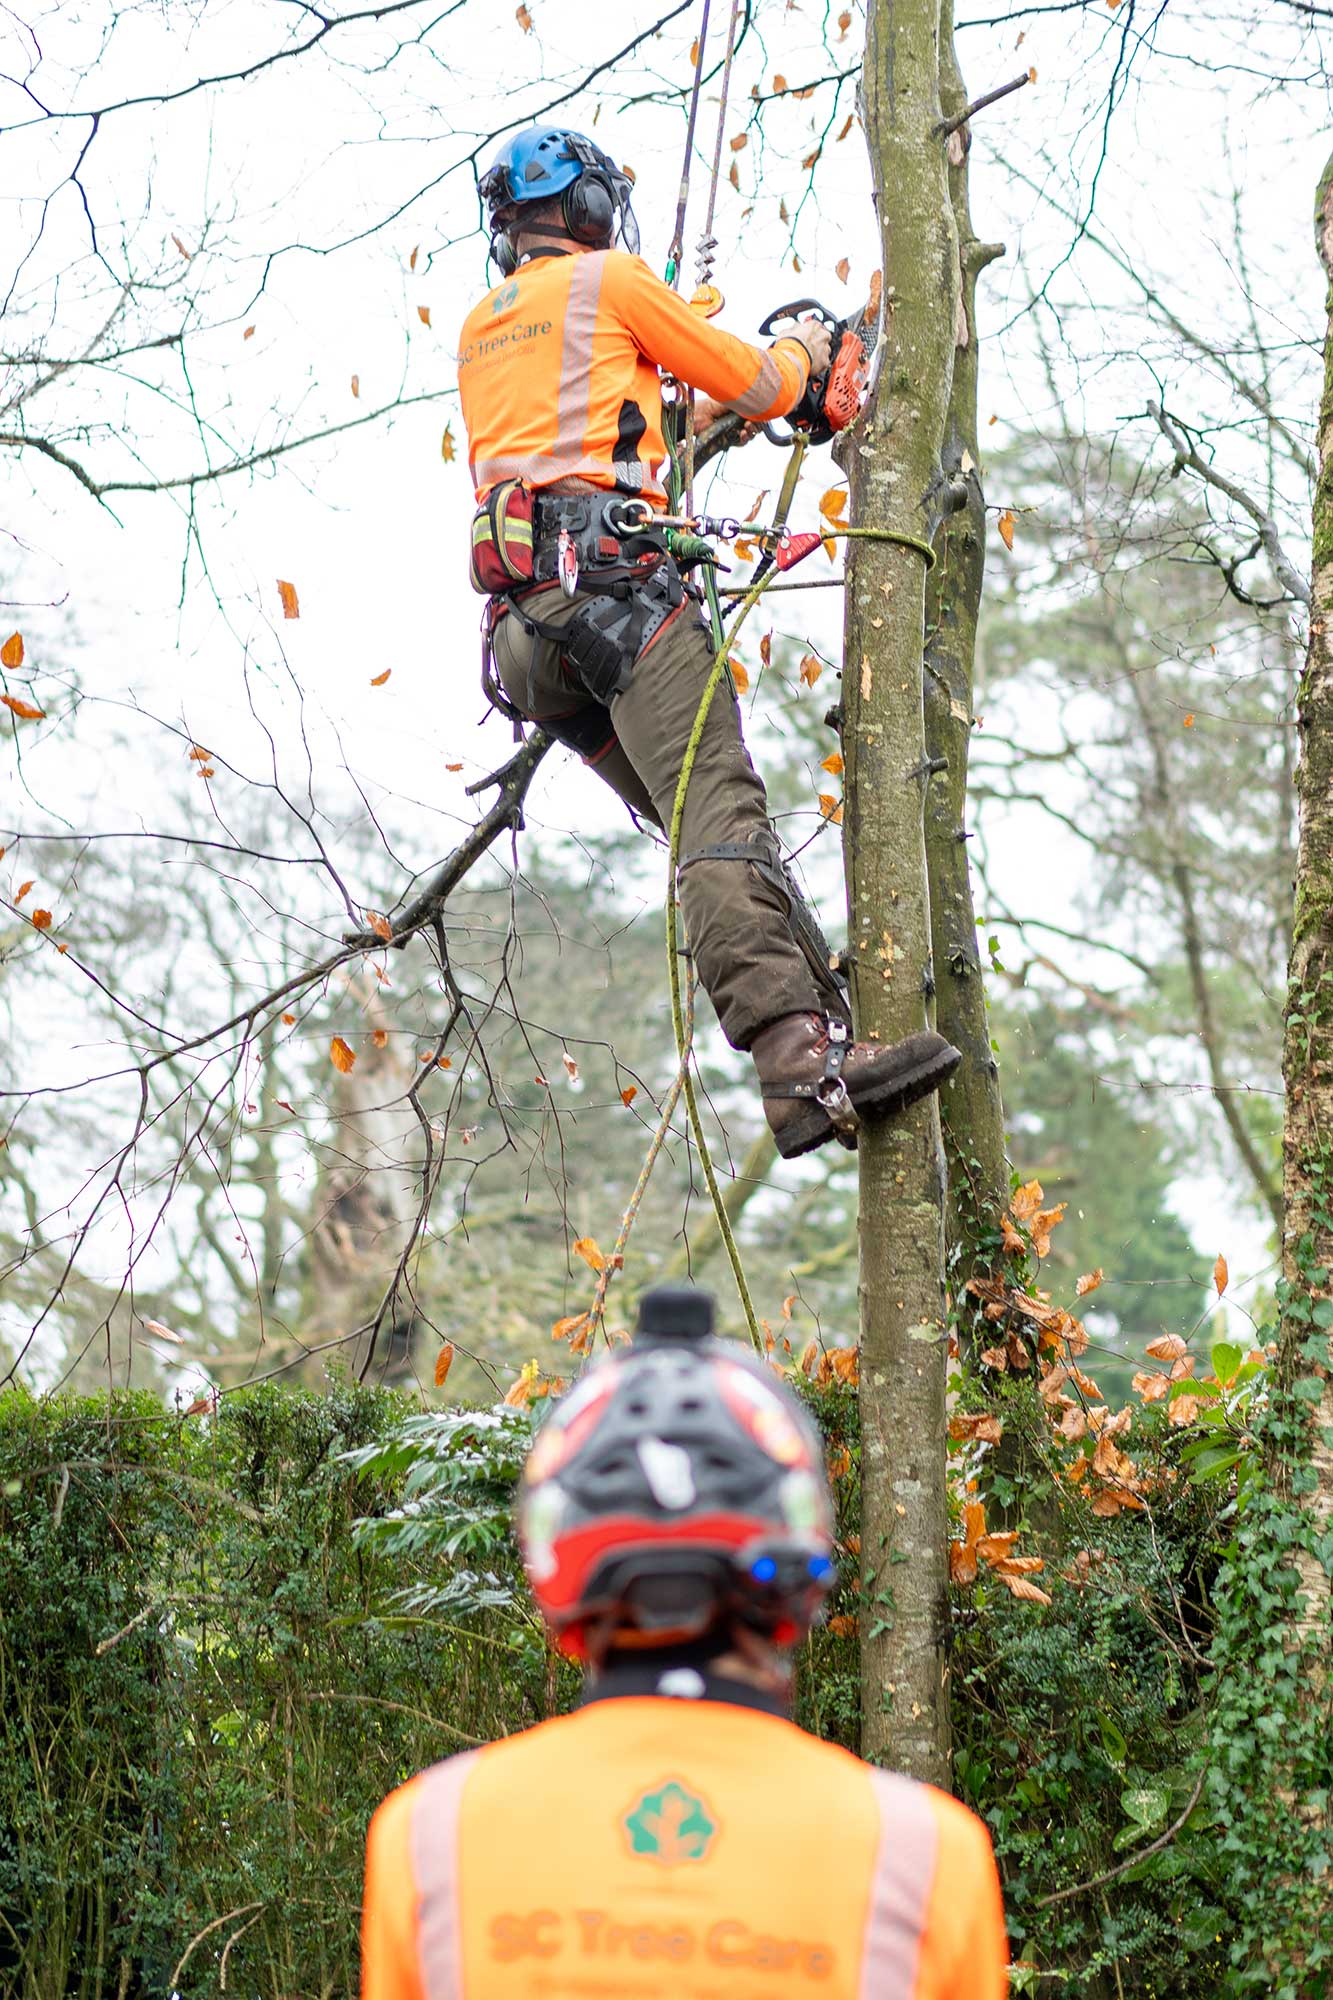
(737, 916)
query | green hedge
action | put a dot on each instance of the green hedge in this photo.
(197, 1711)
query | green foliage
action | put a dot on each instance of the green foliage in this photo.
(199, 1705)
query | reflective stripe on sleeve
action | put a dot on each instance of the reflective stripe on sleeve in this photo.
(434, 1841)
(899, 1888)
(763, 392)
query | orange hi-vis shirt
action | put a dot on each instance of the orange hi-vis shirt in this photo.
(558, 373)
(654, 1849)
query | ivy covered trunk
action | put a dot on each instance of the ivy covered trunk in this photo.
(1307, 1057)
(970, 1108)
(892, 461)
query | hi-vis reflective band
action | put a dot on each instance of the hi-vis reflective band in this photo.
(435, 1865)
(899, 1888)
(762, 392)
(546, 468)
(575, 392)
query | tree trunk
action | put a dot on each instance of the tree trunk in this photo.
(970, 1108)
(1306, 1342)
(893, 463)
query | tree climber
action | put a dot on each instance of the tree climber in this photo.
(590, 631)
(677, 1836)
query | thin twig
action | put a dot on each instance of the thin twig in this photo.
(948, 125)
(1144, 1854)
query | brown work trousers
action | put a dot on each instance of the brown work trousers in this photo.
(737, 917)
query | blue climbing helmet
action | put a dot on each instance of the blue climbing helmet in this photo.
(548, 161)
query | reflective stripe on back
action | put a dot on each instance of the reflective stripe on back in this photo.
(575, 392)
(435, 1865)
(545, 468)
(899, 1888)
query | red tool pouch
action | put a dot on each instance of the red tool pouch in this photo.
(502, 539)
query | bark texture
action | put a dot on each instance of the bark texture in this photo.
(1307, 1056)
(893, 464)
(971, 1111)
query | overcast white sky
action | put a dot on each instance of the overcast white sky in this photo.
(299, 195)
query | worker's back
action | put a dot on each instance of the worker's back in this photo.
(677, 1850)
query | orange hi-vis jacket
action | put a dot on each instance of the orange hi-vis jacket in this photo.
(558, 373)
(646, 1848)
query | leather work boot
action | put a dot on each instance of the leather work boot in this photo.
(818, 1083)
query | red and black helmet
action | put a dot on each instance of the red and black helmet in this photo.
(678, 1486)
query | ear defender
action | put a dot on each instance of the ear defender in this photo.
(589, 207)
(503, 254)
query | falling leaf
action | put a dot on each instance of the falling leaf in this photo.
(1032, 76)
(379, 680)
(524, 19)
(199, 755)
(1167, 1347)
(811, 669)
(289, 1020)
(380, 925)
(811, 160)
(1188, 722)
(740, 142)
(628, 1095)
(423, 314)
(784, 214)
(1020, 1586)
(412, 260)
(11, 653)
(380, 1038)
(186, 254)
(1220, 1274)
(830, 808)
(694, 53)
(24, 710)
(844, 23)
(766, 650)
(845, 127)
(1088, 1282)
(444, 1062)
(586, 1247)
(571, 1067)
(155, 1326)
(290, 605)
(41, 920)
(740, 678)
(1005, 524)
(22, 891)
(565, 1328)
(356, 385)
(992, 420)
(733, 175)
(779, 83)
(842, 270)
(453, 767)
(343, 1058)
(249, 333)
(448, 449)
(832, 764)
(204, 771)
(832, 505)
(443, 1363)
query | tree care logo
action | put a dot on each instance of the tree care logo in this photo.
(670, 1825)
(505, 296)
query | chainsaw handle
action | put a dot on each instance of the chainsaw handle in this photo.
(793, 311)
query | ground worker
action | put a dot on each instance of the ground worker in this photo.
(590, 631)
(677, 1837)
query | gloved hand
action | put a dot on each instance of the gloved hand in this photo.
(817, 341)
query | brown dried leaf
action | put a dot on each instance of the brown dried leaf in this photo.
(830, 808)
(249, 333)
(1167, 1347)
(11, 653)
(291, 607)
(160, 1332)
(1026, 1200)
(380, 1038)
(845, 127)
(1043, 1222)
(41, 920)
(186, 254)
(832, 764)
(1005, 524)
(733, 175)
(833, 504)
(995, 1357)
(444, 1361)
(289, 1020)
(811, 160)
(1089, 1282)
(571, 1067)
(1220, 1274)
(342, 1057)
(1031, 1592)
(740, 677)
(356, 386)
(423, 314)
(962, 1563)
(766, 650)
(844, 23)
(844, 1625)
(448, 449)
(842, 270)
(779, 83)
(24, 710)
(380, 925)
(1151, 1386)
(1012, 1242)
(586, 1247)
(564, 1329)
(740, 142)
(811, 669)
(995, 1549)
(412, 260)
(628, 1095)
(379, 680)
(22, 890)
(1106, 1506)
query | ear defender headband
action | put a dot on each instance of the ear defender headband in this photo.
(590, 207)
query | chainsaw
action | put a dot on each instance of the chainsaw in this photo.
(831, 401)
